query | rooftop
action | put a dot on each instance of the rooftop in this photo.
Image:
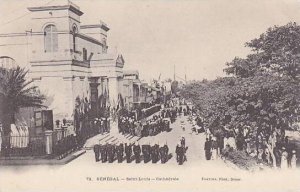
(131, 72)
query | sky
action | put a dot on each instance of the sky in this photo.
(196, 36)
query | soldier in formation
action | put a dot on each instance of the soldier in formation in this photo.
(120, 152)
(109, 152)
(137, 152)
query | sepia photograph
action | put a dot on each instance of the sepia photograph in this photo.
(149, 95)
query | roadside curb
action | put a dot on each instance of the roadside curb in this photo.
(25, 162)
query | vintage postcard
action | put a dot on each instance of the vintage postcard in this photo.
(149, 95)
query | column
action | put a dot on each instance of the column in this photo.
(49, 145)
(94, 96)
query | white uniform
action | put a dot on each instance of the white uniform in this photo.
(293, 161)
(284, 162)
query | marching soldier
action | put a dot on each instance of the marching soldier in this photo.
(97, 152)
(157, 156)
(146, 149)
(164, 151)
(110, 152)
(104, 153)
(180, 154)
(155, 153)
(137, 152)
(128, 152)
(120, 152)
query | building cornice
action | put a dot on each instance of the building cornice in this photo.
(35, 18)
(61, 7)
(90, 39)
(102, 26)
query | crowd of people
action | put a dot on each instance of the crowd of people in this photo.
(101, 125)
(213, 148)
(110, 152)
(150, 127)
(285, 154)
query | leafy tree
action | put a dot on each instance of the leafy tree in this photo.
(262, 94)
(275, 51)
(16, 93)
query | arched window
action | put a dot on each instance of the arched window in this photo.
(50, 38)
(7, 62)
(74, 37)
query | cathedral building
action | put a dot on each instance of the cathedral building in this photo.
(67, 60)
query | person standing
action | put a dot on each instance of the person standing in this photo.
(182, 141)
(153, 154)
(180, 154)
(156, 151)
(120, 152)
(164, 153)
(207, 148)
(284, 159)
(137, 152)
(103, 152)
(220, 141)
(293, 160)
(177, 151)
(146, 149)
(128, 152)
(111, 152)
(97, 152)
(214, 149)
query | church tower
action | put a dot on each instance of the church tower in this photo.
(57, 64)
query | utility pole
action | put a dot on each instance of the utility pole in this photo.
(174, 73)
(185, 74)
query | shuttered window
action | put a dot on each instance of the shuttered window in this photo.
(51, 38)
(74, 37)
(84, 54)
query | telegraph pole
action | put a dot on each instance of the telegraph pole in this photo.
(185, 74)
(174, 73)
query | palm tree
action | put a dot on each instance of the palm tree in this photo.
(15, 93)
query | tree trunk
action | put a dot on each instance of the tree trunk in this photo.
(271, 151)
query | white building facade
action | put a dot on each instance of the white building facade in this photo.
(67, 60)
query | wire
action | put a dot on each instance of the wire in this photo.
(3, 24)
(18, 8)
(13, 20)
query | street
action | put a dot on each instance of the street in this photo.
(85, 174)
(194, 142)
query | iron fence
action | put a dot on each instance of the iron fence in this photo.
(22, 146)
